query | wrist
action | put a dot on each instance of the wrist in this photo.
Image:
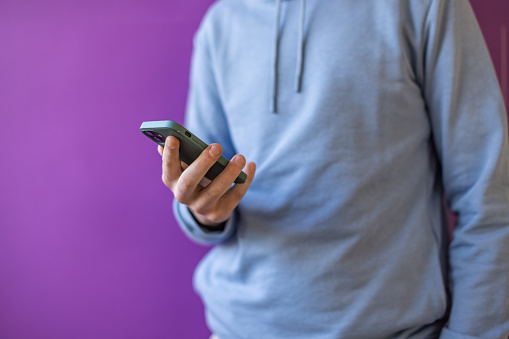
(207, 224)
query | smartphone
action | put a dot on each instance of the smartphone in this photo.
(190, 145)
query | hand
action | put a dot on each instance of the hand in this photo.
(211, 204)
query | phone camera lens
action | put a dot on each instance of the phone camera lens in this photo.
(159, 138)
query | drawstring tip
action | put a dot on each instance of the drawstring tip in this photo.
(273, 108)
(297, 85)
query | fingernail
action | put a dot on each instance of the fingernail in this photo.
(238, 160)
(215, 150)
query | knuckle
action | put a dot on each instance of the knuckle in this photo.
(184, 184)
(200, 209)
(166, 181)
(215, 216)
(182, 191)
(204, 162)
(180, 197)
(206, 159)
(166, 162)
(211, 194)
(234, 172)
(235, 167)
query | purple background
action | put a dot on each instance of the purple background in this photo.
(88, 244)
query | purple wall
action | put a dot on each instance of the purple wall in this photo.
(493, 16)
(88, 245)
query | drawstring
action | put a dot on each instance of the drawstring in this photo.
(275, 55)
(300, 51)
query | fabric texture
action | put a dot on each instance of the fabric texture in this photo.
(342, 233)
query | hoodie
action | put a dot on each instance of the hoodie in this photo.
(361, 115)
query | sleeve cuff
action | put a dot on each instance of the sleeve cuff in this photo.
(192, 229)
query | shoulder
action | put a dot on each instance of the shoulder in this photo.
(221, 18)
(223, 10)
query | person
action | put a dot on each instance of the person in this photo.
(360, 116)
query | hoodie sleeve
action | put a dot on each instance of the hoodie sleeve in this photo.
(470, 135)
(205, 118)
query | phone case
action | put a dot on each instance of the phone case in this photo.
(190, 145)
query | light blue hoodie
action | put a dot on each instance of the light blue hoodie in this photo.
(359, 114)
